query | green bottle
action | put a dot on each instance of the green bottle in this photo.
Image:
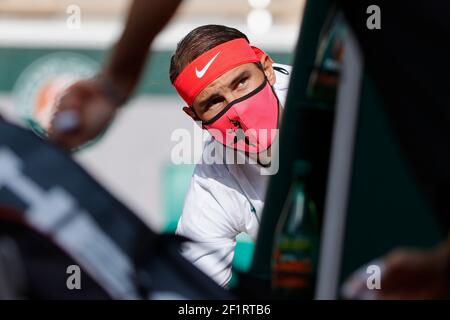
(296, 242)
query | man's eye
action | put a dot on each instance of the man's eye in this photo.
(214, 102)
(242, 83)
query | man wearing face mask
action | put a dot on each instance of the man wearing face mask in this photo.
(236, 92)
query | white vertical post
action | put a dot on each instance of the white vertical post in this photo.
(340, 169)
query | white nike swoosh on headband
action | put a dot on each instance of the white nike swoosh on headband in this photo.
(202, 72)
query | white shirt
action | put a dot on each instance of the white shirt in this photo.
(223, 201)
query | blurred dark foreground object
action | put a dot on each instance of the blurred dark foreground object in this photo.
(408, 58)
(54, 217)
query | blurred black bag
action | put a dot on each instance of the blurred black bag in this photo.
(57, 216)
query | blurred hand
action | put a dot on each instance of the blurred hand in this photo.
(407, 274)
(81, 113)
(416, 274)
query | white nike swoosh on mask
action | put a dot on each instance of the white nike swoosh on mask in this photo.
(202, 72)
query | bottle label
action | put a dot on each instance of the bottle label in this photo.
(293, 264)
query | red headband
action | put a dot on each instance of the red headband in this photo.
(212, 64)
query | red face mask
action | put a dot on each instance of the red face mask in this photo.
(249, 123)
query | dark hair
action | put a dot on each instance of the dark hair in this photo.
(197, 42)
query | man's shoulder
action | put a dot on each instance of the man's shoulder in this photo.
(211, 164)
(213, 192)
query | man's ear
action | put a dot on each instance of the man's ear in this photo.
(191, 113)
(267, 64)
